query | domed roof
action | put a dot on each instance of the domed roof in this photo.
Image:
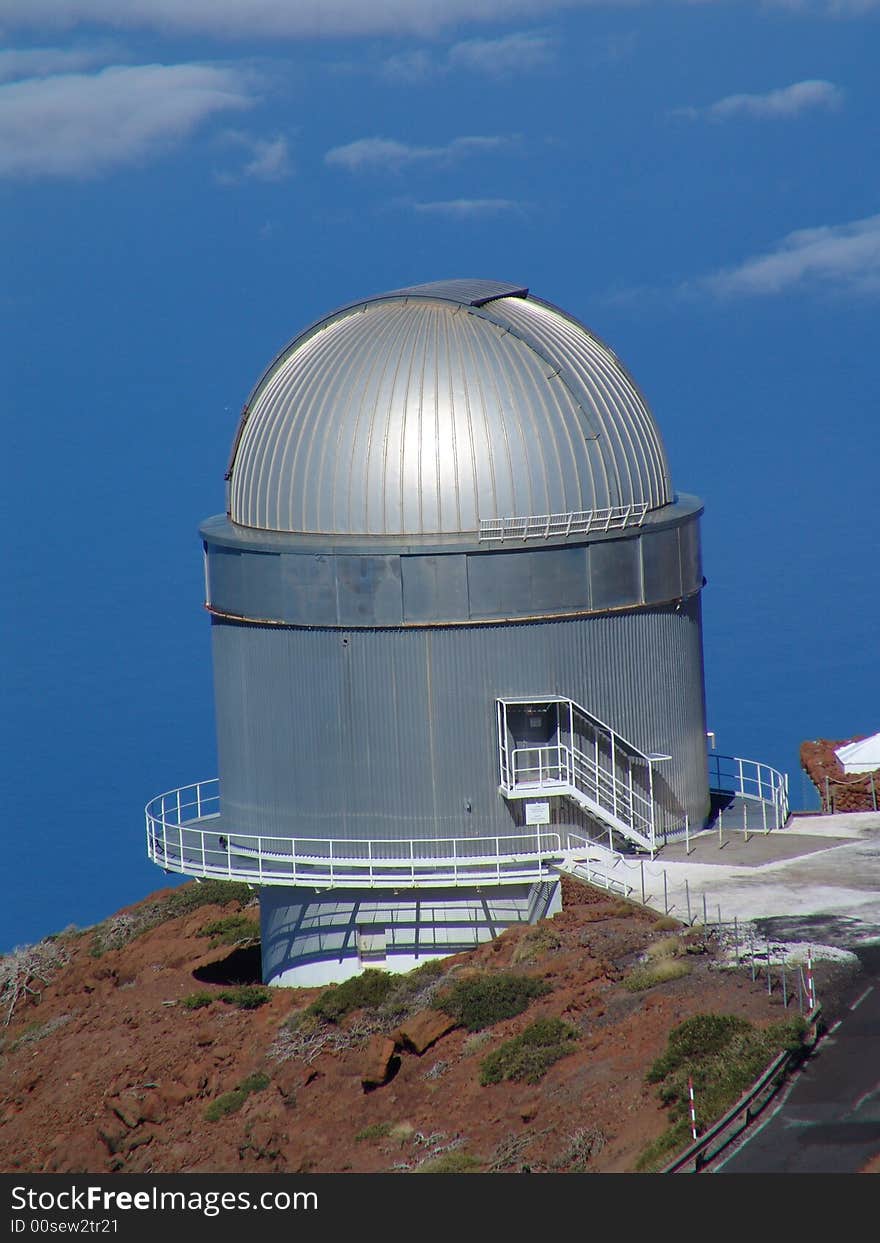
(433, 409)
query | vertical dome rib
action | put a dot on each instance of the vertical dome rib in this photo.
(428, 410)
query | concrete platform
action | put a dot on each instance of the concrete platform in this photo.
(818, 870)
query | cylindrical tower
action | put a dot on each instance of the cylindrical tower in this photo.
(455, 610)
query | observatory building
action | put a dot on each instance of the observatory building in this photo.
(455, 608)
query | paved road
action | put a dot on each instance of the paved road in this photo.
(828, 1121)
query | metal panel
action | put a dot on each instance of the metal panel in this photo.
(347, 589)
(435, 588)
(661, 571)
(261, 583)
(691, 559)
(510, 584)
(615, 574)
(224, 578)
(368, 591)
(391, 734)
(308, 588)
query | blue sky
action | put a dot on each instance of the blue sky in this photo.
(186, 183)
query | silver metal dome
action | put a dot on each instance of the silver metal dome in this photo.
(438, 408)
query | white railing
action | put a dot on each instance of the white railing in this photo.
(555, 526)
(600, 866)
(730, 774)
(185, 834)
(613, 780)
(569, 771)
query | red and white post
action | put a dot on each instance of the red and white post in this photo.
(693, 1108)
(811, 990)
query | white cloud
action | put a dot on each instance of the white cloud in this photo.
(257, 19)
(39, 62)
(461, 208)
(294, 19)
(521, 51)
(785, 103)
(408, 67)
(270, 160)
(829, 8)
(267, 159)
(517, 52)
(75, 125)
(842, 256)
(366, 154)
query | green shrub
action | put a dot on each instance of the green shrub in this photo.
(202, 893)
(529, 1055)
(378, 1130)
(484, 1000)
(246, 996)
(231, 931)
(697, 1037)
(231, 1102)
(196, 1001)
(254, 1083)
(228, 1103)
(359, 992)
(723, 1055)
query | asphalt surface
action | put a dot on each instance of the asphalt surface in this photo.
(828, 1120)
(815, 883)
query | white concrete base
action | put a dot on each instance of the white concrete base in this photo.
(311, 939)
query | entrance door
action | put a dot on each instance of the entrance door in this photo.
(533, 734)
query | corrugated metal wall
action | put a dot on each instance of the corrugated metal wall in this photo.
(392, 733)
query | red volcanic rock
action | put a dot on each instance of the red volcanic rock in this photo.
(118, 1080)
(423, 1030)
(839, 791)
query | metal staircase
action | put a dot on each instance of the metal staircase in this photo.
(551, 745)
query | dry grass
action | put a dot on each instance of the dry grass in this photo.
(536, 944)
(668, 947)
(661, 971)
(666, 924)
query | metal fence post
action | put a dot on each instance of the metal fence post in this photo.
(705, 919)
(784, 987)
(642, 870)
(665, 894)
(736, 939)
(687, 895)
